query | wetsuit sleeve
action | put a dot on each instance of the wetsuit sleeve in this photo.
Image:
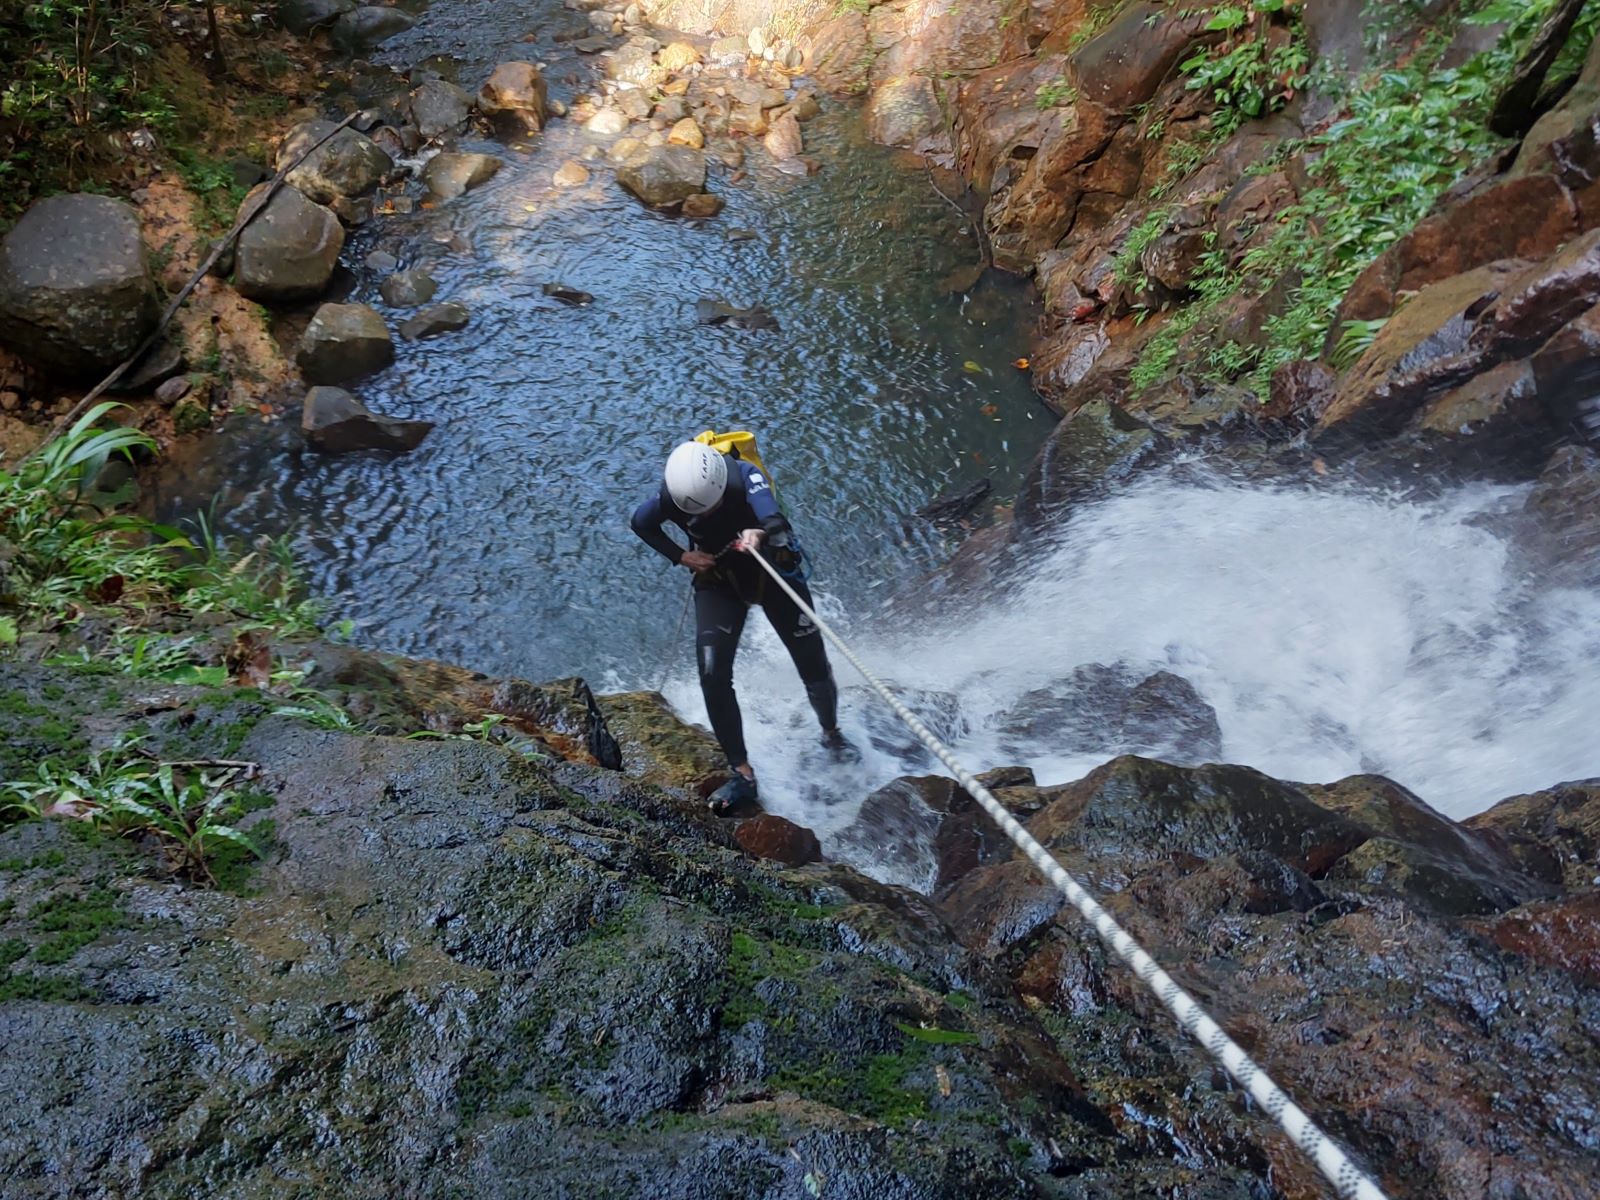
(758, 492)
(647, 521)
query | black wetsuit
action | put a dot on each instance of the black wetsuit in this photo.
(723, 596)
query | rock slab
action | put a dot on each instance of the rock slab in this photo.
(344, 342)
(335, 422)
(289, 249)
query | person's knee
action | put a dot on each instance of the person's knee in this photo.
(716, 666)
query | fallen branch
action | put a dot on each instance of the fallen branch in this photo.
(247, 213)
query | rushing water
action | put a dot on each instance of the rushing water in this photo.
(1331, 631)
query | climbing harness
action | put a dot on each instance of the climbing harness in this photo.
(1348, 1179)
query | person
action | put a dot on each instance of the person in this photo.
(726, 508)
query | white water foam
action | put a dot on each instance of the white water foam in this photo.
(1333, 632)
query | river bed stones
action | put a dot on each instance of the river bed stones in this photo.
(664, 176)
(436, 320)
(686, 133)
(439, 108)
(451, 174)
(407, 289)
(76, 290)
(335, 422)
(302, 16)
(608, 122)
(289, 249)
(347, 165)
(344, 342)
(702, 205)
(782, 139)
(515, 98)
(570, 174)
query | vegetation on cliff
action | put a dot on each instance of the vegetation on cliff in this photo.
(1408, 127)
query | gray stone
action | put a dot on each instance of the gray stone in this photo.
(344, 342)
(783, 139)
(407, 289)
(431, 322)
(76, 292)
(664, 176)
(289, 249)
(439, 107)
(515, 97)
(302, 16)
(173, 390)
(369, 26)
(449, 175)
(634, 103)
(347, 165)
(335, 422)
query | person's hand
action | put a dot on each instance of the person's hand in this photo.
(697, 560)
(750, 540)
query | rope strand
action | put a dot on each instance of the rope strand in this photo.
(1348, 1180)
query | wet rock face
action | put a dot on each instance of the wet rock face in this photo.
(779, 839)
(1122, 67)
(369, 26)
(347, 165)
(523, 986)
(1099, 444)
(439, 107)
(288, 251)
(1271, 898)
(76, 291)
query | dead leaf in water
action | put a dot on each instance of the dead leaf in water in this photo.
(945, 1086)
(1020, 364)
(989, 410)
(972, 368)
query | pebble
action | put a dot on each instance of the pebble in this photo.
(570, 174)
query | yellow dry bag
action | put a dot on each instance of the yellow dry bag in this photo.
(737, 444)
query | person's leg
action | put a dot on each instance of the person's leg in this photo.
(719, 617)
(804, 642)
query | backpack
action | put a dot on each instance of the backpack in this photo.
(741, 445)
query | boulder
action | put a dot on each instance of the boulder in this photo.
(779, 839)
(439, 108)
(363, 28)
(570, 296)
(407, 289)
(634, 103)
(335, 422)
(904, 112)
(515, 97)
(1114, 709)
(1123, 66)
(1097, 445)
(634, 62)
(76, 291)
(782, 139)
(450, 174)
(926, 831)
(344, 342)
(1499, 414)
(664, 176)
(659, 748)
(1299, 394)
(288, 251)
(1553, 835)
(347, 165)
(431, 322)
(302, 16)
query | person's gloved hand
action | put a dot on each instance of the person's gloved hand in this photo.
(750, 540)
(697, 561)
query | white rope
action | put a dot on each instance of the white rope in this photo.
(1348, 1179)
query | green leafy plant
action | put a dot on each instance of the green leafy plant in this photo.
(188, 809)
(1055, 95)
(316, 709)
(1354, 341)
(1249, 73)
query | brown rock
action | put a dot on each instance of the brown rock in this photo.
(1034, 200)
(1526, 217)
(687, 133)
(905, 111)
(783, 139)
(776, 838)
(515, 95)
(1499, 411)
(1123, 66)
(570, 174)
(1300, 392)
(702, 205)
(1559, 933)
(747, 118)
(675, 56)
(173, 390)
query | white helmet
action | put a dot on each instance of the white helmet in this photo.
(695, 477)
